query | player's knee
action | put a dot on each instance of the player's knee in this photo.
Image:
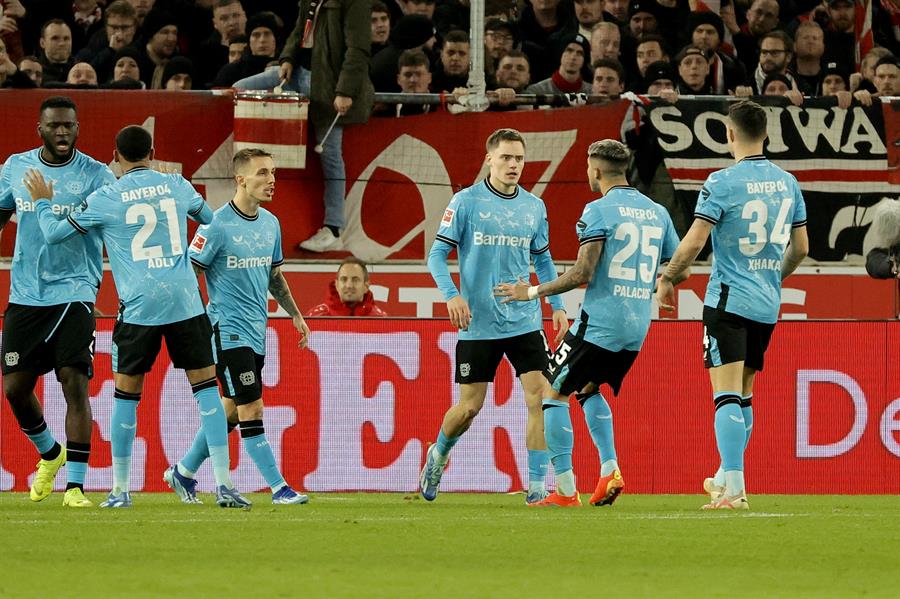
(15, 391)
(471, 412)
(74, 385)
(251, 411)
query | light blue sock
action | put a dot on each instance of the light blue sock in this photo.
(444, 444)
(41, 437)
(599, 419)
(215, 428)
(730, 433)
(538, 464)
(196, 455)
(123, 428)
(747, 411)
(254, 439)
(75, 472)
(559, 435)
(77, 456)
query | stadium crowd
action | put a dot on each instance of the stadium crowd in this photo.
(793, 48)
(557, 52)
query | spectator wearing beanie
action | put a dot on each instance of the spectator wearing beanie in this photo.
(159, 43)
(126, 73)
(659, 76)
(693, 68)
(412, 32)
(178, 74)
(570, 76)
(264, 33)
(775, 84)
(707, 31)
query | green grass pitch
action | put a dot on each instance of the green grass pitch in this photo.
(462, 545)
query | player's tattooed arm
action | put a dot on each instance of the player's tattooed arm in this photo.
(582, 272)
(279, 289)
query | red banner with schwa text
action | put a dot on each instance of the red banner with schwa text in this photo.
(356, 410)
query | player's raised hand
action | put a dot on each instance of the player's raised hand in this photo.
(665, 294)
(513, 292)
(37, 186)
(303, 329)
(560, 325)
(460, 315)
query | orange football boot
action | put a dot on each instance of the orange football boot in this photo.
(554, 499)
(608, 488)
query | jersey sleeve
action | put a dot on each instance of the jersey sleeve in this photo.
(277, 252)
(205, 246)
(103, 177)
(7, 201)
(198, 210)
(799, 219)
(90, 214)
(540, 243)
(56, 229)
(453, 222)
(591, 226)
(711, 201)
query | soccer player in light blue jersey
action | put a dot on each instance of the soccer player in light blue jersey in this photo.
(624, 236)
(142, 218)
(240, 252)
(757, 218)
(497, 229)
(49, 323)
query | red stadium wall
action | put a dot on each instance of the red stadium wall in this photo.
(405, 290)
(356, 410)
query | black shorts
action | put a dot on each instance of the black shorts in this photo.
(477, 360)
(43, 338)
(578, 363)
(731, 338)
(240, 372)
(136, 346)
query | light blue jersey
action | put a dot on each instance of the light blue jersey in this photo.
(753, 205)
(496, 236)
(142, 218)
(48, 275)
(238, 253)
(637, 236)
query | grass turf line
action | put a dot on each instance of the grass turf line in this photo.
(462, 545)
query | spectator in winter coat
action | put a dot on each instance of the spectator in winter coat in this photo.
(349, 293)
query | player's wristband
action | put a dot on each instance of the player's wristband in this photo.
(533, 292)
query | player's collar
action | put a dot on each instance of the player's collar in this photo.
(136, 169)
(53, 164)
(619, 187)
(243, 215)
(496, 192)
(754, 157)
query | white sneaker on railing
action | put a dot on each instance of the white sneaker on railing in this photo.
(323, 241)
